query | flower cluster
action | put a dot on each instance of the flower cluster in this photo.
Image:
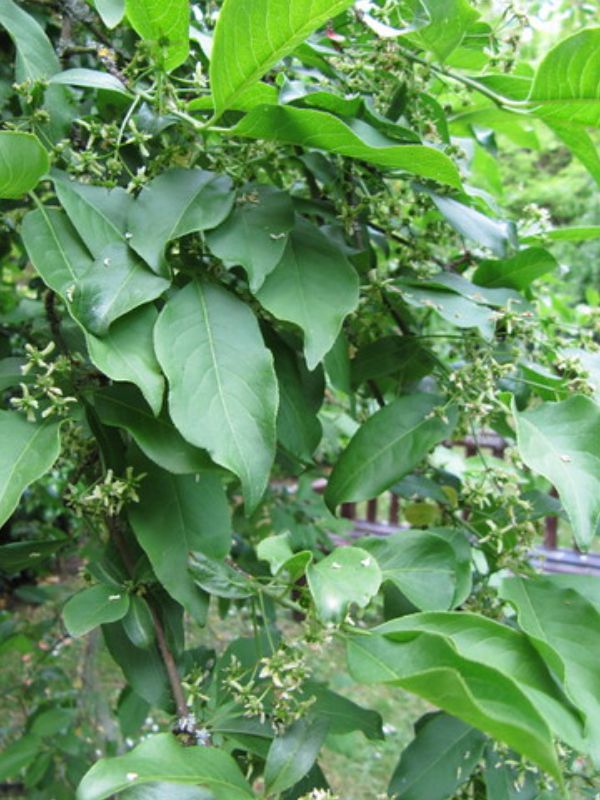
(42, 393)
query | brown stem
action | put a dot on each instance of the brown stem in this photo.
(116, 534)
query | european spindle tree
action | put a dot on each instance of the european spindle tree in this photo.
(250, 244)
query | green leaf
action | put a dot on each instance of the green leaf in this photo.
(563, 626)
(144, 669)
(497, 235)
(421, 564)
(10, 372)
(177, 202)
(293, 753)
(439, 759)
(449, 22)
(218, 578)
(98, 214)
(111, 11)
(165, 25)
(115, 284)
(399, 356)
(319, 129)
(126, 353)
(388, 446)
(28, 451)
(488, 642)
(517, 272)
(138, 623)
(561, 441)
(23, 162)
(123, 407)
(456, 310)
(55, 249)
(571, 234)
(255, 235)
(579, 143)
(17, 556)
(19, 755)
(342, 714)
(278, 553)
(35, 55)
(250, 39)
(347, 575)
(177, 514)
(95, 606)
(507, 781)
(567, 82)
(222, 386)
(159, 790)
(429, 666)
(300, 397)
(314, 286)
(254, 95)
(90, 79)
(163, 758)
(52, 721)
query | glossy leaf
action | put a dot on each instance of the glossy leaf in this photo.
(250, 39)
(178, 514)
(567, 82)
(177, 202)
(137, 623)
(343, 715)
(448, 24)
(255, 235)
(347, 575)
(300, 397)
(562, 625)
(23, 162)
(54, 249)
(387, 447)
(164, 24)
(222, 386)
(579, 143)
(99, 215)
(561, 441)
(419, 563)
(111, 11)
(218, 578)
(90, 79)
(458, 311)
(157, 437)
(95, 606)
(319, 129)
(429, 666)
(18, 755)
(163, 758)
(28, 451)
(487, 642)
(314, 286)
(35, 55)
(115, 284)
(293, 753)
(17, 556)
(126, 353)
(439, 759)
(497, 235)
(517, 272)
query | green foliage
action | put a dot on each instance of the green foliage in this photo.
(259, 263)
